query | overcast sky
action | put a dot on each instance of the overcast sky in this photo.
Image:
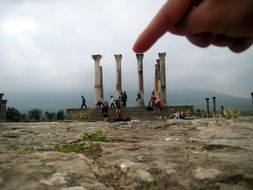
(46, 48)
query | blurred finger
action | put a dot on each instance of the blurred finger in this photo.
(221, 40)
(239, 45)
(201, 40)
(170, 14)
(202, 18)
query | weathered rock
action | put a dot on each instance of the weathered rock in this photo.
(200, 154)
(210, 173)
(55, 179)
(144, 176)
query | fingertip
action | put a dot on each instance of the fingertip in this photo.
(145, 41)
(138, 47)
(239, 46)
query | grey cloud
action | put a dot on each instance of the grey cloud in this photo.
(51, 51)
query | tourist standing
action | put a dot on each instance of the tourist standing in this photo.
(118, 104)
(105, 110)
(153, 99)
(158, 105)
(149, 106)
(138, 99)
(83, 102)
(124, 98)
(112, 102)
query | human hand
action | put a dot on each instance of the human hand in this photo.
(225, 23)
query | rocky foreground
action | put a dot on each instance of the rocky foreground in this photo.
(193, 155)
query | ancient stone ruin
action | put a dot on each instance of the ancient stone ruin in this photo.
(2, 108)
(159, 84)
(159, 88)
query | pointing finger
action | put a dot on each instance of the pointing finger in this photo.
(169, 15)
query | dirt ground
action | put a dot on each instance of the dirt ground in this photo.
(200, 154)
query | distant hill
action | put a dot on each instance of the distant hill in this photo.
(55, 102)
(197, 98)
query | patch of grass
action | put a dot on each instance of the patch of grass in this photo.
(78, 147)
(232, 114)
(84, 144)
(97, 135)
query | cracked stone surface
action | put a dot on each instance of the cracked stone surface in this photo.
(210, 154)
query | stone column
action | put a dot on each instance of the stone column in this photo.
(222, 111)
(207, 108)
(214, 106)
(163, 78)
(252, 99)
(139, 57)
(157, 82)
(98, 80)
(2, 108)
(118, 58)
(101, 83)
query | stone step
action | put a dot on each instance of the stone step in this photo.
(93, 114)
(133, 112)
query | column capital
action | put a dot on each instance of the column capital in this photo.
(213, 97)
(158, 61)
(118, 57)
(139, 55)
(207, 99)
(97, 57)
(162, 55)
(252, 94)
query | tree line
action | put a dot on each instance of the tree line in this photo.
(34, 115)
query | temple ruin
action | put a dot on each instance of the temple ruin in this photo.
(139, 111)
(159, 81)
(2, 108)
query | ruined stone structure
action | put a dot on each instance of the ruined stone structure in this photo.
(139, 57)
(207, 108)
(252, 99)
(2, 108)
(160, 79)
(214, 106)
(222, 111)
(101, 83)
(118, 58)
(99, 95)
(157, 80)
(163, 95)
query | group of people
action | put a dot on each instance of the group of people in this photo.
(120, 101)
(104, 106)
(154, 103)
(179, 115)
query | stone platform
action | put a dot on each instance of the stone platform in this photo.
(139, 113)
